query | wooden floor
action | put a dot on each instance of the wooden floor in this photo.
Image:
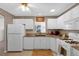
(42, 53)
(29, 53)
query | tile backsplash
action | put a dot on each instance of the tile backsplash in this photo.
(74, 36)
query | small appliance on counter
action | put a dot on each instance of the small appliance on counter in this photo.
(65, 36)
(55, 32)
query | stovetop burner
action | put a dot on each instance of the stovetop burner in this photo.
(72, 42)
(66, 39)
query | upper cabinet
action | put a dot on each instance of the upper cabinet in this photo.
(74, 15)
(28, 23)
(75, 12)
(69, 20)
(51, 23)
(60, 22)
(63, 19)
(73, 23)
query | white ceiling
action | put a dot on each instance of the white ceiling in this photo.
(42, 9)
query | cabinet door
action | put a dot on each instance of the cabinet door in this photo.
(75, 12)
(52, 24)
(37, 41)
(28, 43)
(28, 22)
(75, 52)
(44, 43)
(53, 44)
(71, 51)
(48, 43)
(60, 23)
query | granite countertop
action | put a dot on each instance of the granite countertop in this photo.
(76, 47)
(54, 36)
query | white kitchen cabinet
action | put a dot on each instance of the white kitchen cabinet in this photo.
(60, 22)
(51, 23)
(73, 23)
(28, 43)
(53, 44)
(75, 52)
(48, 42)
(74, 36)
(28, 22)
(71, 51)
(75, 12)
(72, 26)
(37, 43)
(57, 46)
(42, 43)
(64, 19)
(67, 16)
(45, 43)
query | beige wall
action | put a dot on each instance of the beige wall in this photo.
(8, 19)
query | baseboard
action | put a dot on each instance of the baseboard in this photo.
(34, 49)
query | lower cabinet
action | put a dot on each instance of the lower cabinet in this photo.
(71, 52)
(41, 43)
(37, 42)
(48, 43)
(53, 44)
(28, 43)
(45, 43)
(75, 52)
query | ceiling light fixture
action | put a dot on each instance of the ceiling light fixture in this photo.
(52, 10)
(24, 6)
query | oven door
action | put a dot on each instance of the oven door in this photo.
(64, 51)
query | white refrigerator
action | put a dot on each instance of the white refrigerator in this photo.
(15, 34)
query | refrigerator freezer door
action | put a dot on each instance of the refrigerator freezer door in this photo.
(14, 42)
(15, 28)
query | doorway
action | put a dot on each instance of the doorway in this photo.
(1, 32)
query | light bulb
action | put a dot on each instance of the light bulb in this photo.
(23, 7)
(52, 10)
(27, 8)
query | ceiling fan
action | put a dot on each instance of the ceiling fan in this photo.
(26, 6)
